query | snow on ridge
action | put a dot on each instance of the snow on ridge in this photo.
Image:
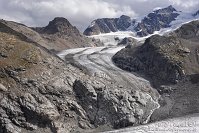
(108, 38)
(157, 8)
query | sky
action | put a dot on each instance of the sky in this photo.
(81, 12)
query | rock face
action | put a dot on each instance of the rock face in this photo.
(106, 25)
(59, 34)
(197, 13)
(59, 25)
(40, 93)
(119, 108)
(155, 21)
(31, 86)
(152, 22)
(164, 58)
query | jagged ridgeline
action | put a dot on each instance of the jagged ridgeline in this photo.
(58, 35)
(158, 19)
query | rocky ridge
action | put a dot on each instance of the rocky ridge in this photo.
(59, 31)
(171, 64)
(166, 58)
(155, 21)
(107, 25)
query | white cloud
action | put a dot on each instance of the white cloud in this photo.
(185, 4)
(81, 12)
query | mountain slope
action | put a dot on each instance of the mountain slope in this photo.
(158, 19)
(171, 64)
(33, 86)
(39, 93)
(167, 58)
(58, 35)
(60, 32)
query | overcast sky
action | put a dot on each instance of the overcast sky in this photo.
(81, 12)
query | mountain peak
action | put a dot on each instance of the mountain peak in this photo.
(58, 24)
(171, 8)
(168, 9)
(60, 19)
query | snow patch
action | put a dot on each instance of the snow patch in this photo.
(157, 8)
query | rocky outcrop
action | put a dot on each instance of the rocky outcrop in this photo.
(127, 41)
(119, 108)
(188, 31)
(154, 21)
(171, 64)
(59, 34)
(164, 58)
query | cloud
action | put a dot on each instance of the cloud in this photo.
(185, 4)
(81, 12)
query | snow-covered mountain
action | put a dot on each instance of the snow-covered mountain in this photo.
(164, 19)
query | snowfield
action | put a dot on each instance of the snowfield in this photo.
(186, 124)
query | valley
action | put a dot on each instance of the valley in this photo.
(98, 62)
(126, 75)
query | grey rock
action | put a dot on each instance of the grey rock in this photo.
(85, 89)
(155, 21)
(164, 58)
(40, 105)
(156, 58)
(3, 88)
(112, 106)
(127, 41)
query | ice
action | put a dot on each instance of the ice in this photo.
(157, 8)
(62, 54)
(186, 124)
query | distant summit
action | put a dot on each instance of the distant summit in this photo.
(154, 21)
(106, 25)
